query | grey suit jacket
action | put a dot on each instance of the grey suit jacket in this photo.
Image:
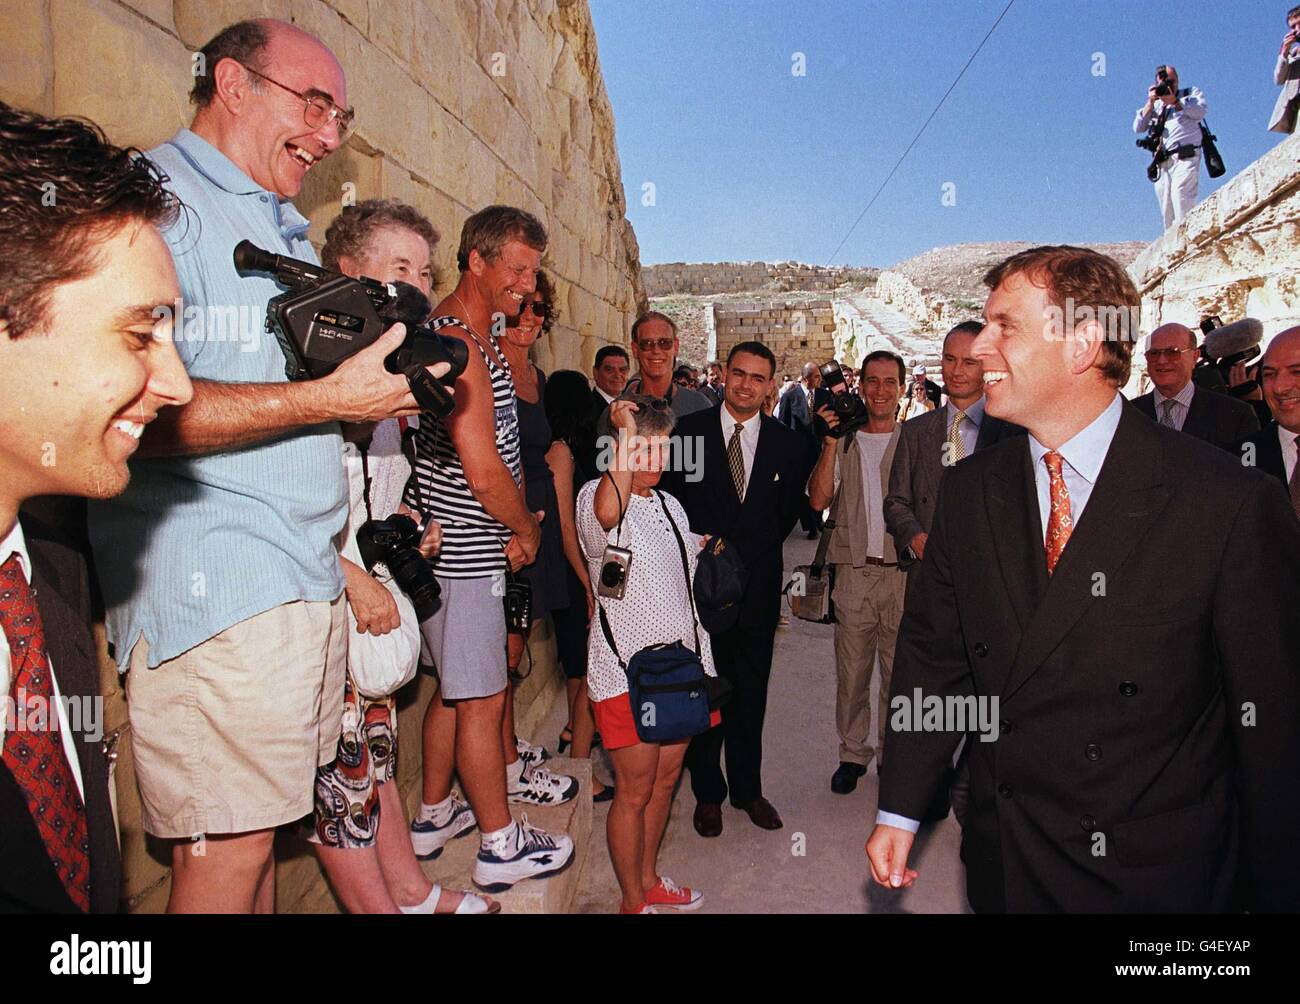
(917, 470)
(1287, 76)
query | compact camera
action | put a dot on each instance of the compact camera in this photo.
(394, 542)
(518, 605)
(325, 317)
(613, 572)
(848, 406)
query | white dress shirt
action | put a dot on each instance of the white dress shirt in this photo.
(1083, 457)
(1182, 402)
(16, 543)
(748, 437)
(1289, 451)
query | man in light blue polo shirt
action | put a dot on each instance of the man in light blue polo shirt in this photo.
(218, 566)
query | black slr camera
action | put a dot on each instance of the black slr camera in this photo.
(394, 542)
(325, 317)
(848, 406)
(1165, 86)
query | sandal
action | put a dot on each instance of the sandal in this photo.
(563, 744)
(470, 903)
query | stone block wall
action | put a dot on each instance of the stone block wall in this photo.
(1237, 254)
(796, 332)
(460, 103)
(930, 312)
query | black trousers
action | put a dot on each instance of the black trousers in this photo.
(742, 656)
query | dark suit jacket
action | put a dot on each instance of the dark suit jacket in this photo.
(918, 467)
(792, 410)
(28, 882)
(774, 499)
(1213, 417)
(1125, 701)
(1268, 452)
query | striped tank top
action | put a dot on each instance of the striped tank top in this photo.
(473, 542)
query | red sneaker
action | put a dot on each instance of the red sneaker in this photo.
(668, 893)
(643, 908)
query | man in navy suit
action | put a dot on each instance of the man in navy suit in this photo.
(751, 491)
(1114, 602)
(86, 361)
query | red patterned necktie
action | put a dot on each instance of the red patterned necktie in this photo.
(1060, 523)
(35, 757)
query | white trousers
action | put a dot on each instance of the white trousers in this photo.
(1176, 187)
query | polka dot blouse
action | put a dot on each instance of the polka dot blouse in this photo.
(655, 607)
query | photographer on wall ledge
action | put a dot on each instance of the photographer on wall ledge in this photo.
(1171, 118)
(1287, 76)
(218, 565)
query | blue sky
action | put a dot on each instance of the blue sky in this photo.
(751, 162)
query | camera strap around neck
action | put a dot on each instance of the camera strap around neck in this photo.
(686, 573)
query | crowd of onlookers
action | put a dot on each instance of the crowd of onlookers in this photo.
(262, 642)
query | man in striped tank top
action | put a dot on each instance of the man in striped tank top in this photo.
(467, 477)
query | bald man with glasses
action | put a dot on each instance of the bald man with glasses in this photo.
(1177, 402)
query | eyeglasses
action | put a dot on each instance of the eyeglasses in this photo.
(538, 308)
(662, 344)
(1171, 354)
(318, 111)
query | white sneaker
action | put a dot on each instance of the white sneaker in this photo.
(534, 853)
(538, 786)
(428, 840)
(531, 755)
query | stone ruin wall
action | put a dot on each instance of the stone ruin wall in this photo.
(796, 332)
(705, 279)
(1237, 254)
(930, 313)
(438, 128)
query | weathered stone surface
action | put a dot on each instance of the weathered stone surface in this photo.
(26, 71)
(1247, 268)
(109, 65)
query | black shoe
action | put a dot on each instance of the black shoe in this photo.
(563, 744)
(607, 795)
(845, 778)
(813, 534)
(708, 819)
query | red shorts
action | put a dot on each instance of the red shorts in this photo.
(617, 725)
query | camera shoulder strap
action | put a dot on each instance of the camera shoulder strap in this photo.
(609, 635)
(686, 569)
(364, 449)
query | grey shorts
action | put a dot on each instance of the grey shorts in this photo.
(466, 638)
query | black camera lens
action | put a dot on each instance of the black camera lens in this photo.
(611, 574)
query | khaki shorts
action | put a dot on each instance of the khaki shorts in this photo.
(227, 736)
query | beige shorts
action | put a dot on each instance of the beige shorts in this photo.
(227, 736)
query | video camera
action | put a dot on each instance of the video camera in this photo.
(1224, 347)
(325, 317)
(848, 406)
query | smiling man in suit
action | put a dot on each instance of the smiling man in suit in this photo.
(751, 492)
(86, 361)
(1177, 402)
(934, 441)
(1275, 449)
(1127, 595)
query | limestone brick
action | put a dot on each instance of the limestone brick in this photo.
(26, 71)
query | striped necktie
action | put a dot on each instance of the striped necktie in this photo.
(1167, 418)
(736, 460)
